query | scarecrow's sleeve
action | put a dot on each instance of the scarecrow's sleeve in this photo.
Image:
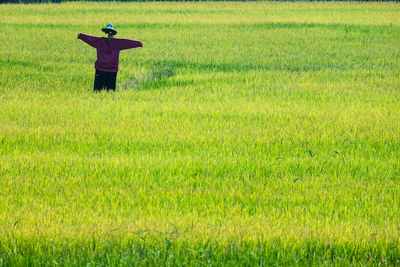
(90, 40)
(127, 44)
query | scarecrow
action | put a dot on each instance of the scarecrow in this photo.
(108, 50)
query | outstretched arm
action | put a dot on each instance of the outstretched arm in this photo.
(90, 40)
(127, 44)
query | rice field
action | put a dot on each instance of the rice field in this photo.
(242, 133)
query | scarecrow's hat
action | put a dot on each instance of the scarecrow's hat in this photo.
(109, 29)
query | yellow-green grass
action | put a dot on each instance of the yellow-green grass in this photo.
(241, 133)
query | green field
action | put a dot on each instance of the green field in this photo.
(257, 133)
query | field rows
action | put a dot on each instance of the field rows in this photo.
(240, 134)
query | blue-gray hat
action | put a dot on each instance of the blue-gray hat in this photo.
(109, 29)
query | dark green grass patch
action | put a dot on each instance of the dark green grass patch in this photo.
(169, 251)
